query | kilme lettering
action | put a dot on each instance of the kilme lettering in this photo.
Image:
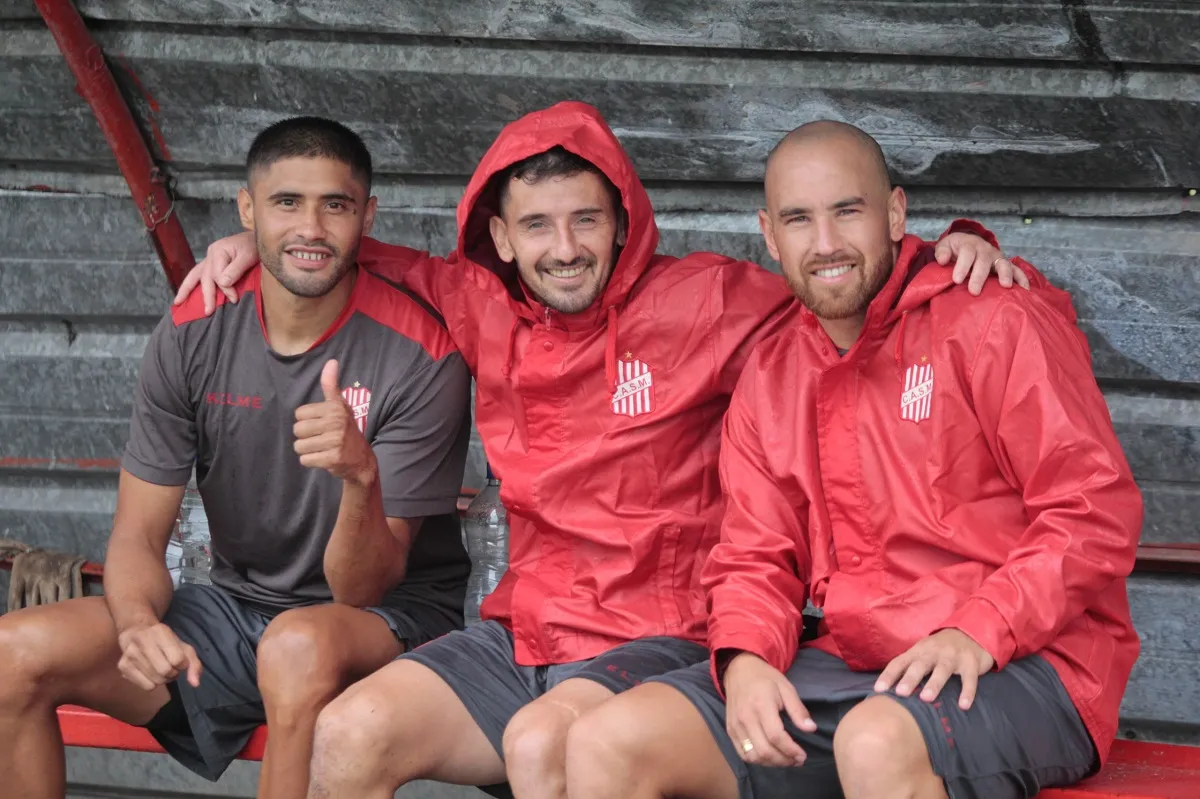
(234, 400)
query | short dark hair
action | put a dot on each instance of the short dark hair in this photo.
(557, 162)
(310, 137)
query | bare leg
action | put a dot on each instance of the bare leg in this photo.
(648, 742)
(54, 655)
(535, 741)
(306, 658)
(881, 753)
(400, 724)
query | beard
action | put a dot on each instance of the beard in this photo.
(846, 300)
(308, 284)
(566, 301)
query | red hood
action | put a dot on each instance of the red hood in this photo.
(579, 128)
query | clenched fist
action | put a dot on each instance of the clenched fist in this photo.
(328, 438)
(153, 655)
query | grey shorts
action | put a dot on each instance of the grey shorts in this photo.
(205, 728)
(1021, 734)
(479, 664)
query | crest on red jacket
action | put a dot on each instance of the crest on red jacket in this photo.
(635, 388)
(358, 397)
(918, 392)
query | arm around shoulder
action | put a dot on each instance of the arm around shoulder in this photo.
(756, 576)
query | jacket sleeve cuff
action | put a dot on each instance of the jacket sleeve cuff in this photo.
(755, 644)
(972, 227)
(980, 620)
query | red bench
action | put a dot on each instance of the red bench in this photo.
(1136, 769)
(87, 728)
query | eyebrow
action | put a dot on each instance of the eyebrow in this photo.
(525, 220)
(846, 203)
(295, 195)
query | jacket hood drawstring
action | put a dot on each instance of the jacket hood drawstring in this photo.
(900, 340)
(510, 348)
(610, 350)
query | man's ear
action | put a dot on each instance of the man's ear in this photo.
(369, 215)
(246, 208)
(499, 230)
(897, 214)
(768, 231)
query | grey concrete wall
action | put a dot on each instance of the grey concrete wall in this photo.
(1069, 128)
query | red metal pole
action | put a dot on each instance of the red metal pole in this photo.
(146, 181)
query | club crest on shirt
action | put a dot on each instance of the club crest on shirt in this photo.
(358, 397)
(635, 387)
(918, 392)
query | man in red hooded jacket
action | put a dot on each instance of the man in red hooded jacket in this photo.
(940, 475)
(602, 371)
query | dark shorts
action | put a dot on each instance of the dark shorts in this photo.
(479, 664)
(1021, 734)
(205, 728)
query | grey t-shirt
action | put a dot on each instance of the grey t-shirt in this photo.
(213, 392)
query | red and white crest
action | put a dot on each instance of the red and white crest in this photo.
(358, 397)
(918, 392)
(635, 388)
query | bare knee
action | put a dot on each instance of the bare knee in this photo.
(353, 728)
(26, 663)
(602, 746)
(298, 665)
(880, 751)
(535, 740)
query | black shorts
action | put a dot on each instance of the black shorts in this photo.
(479, 664)
(205, 728)
(1022, 733)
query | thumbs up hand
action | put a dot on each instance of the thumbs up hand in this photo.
(328, 438)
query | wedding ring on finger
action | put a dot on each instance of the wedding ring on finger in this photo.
(747, 745)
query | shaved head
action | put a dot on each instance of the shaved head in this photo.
(833, 219)
(825, 132)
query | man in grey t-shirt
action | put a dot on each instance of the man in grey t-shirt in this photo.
(327, 421)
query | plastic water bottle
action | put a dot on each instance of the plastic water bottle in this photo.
(175, 553)
(485, 527)
(195, 545)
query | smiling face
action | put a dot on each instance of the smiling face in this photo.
(832, 220)
(308, 215)
(564, 234)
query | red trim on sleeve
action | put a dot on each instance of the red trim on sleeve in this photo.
(192, 308)
(392, 308)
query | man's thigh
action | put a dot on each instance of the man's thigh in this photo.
(1022, 734)
(70, 650)
(205, 726)
(479, 664)
(816, 779)
(630, 664)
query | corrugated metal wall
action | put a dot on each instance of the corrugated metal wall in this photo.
(1068, 127)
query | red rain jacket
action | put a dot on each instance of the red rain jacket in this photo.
(964, 473)
(604, 426)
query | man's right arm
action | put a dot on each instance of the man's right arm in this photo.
(756, 576)
(756, 584)
(155, 468)
(137, 584)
